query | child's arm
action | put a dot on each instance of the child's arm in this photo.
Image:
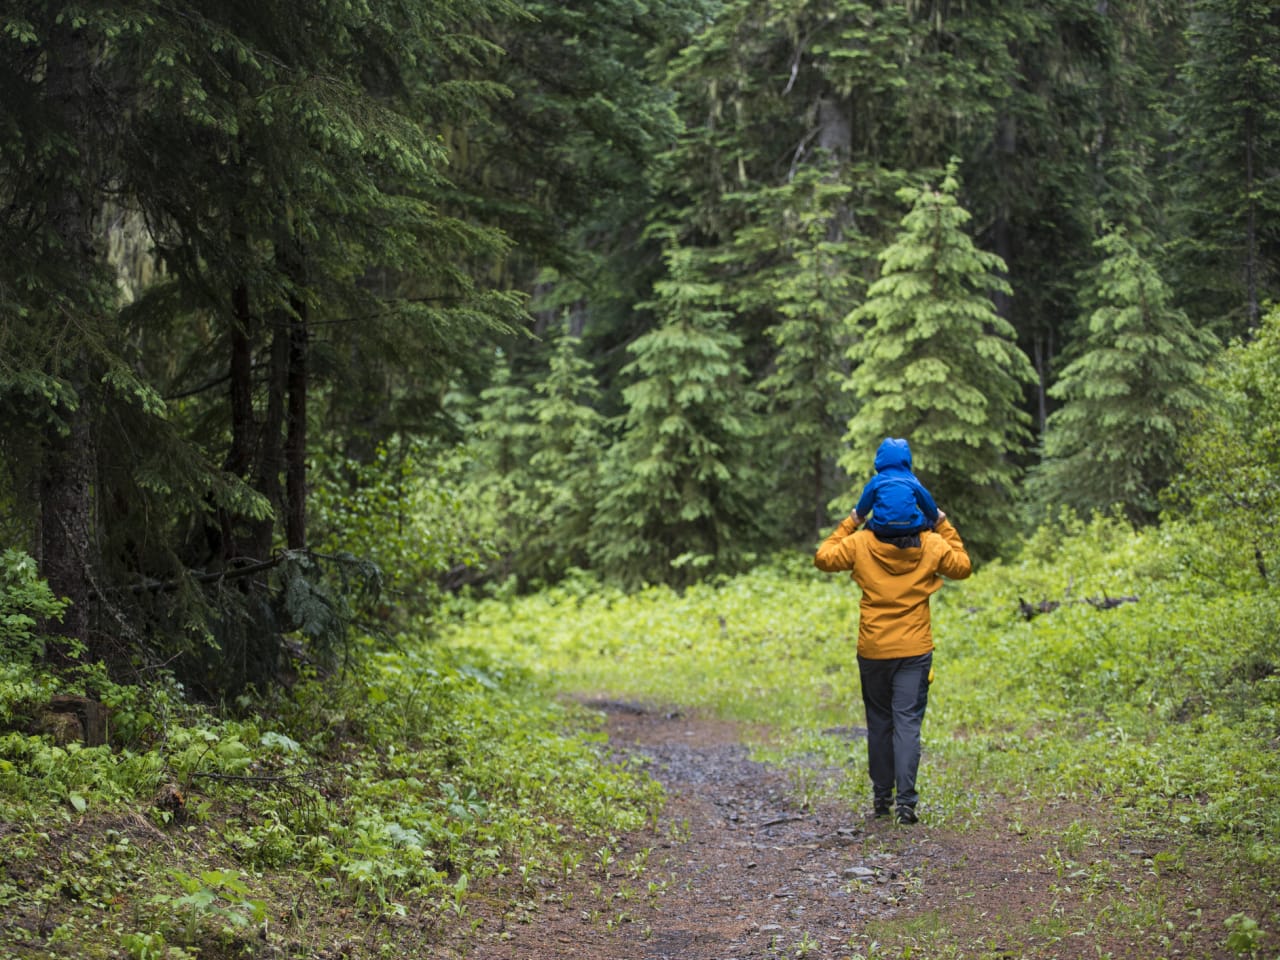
(865, 502)
(924, 500)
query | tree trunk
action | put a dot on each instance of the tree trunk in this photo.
(240, 455)
(1006, 137)
(239, 458)
(67, 544)
(295, 446)
(819, 508)
(1253, 307)
(271, 460)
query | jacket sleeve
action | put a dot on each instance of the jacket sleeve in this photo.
(954, 561)
(837, 551)
(924, 500)
(867, 499)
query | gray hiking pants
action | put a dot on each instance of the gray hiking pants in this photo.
(895, 693)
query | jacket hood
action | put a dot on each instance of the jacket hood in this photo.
(895, 560)
(894, 454)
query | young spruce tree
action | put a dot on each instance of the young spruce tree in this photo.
(936, 364)
(565, 463)
(1115, 439)
(809, 282)
(679, 487)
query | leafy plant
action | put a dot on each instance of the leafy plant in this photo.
(217, 898)
(25, 601)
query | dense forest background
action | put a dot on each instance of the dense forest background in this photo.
(313, 313)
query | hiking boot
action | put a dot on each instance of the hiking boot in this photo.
(906, 815)
(882, 810)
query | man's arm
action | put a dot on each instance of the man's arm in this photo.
(837, 551)
(954, 563)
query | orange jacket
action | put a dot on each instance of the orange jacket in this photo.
(896, 584)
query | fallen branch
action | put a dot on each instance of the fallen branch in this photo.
(1030, 610)
(252, 778)
(777, 820)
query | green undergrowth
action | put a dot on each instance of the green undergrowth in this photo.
(1136, 671)
(354, 814)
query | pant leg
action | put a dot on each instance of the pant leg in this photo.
(910, 697)
(877, 700)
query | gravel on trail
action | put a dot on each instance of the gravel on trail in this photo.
(746, 870)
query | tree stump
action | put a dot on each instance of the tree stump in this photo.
(69, 718)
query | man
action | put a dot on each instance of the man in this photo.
(895, 642)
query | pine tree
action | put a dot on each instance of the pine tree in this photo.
(283, 162)
(564, 467)
(934, 363)
(1228, 159)
(1129, 392)
(679, 487)
(811, 277)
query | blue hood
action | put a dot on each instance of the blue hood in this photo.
(894, 454)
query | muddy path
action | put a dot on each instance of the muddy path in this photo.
(741, 868)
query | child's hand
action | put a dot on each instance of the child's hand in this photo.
(853, 515)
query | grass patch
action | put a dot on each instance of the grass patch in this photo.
(356, 814)
(1117, 713)
(1139, 690)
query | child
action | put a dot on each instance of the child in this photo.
(898, 504)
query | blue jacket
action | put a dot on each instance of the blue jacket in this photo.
(897, 502)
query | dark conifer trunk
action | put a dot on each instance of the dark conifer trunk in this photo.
(818, 506)
(271, 459)
(67, 544)
(66, 517)
(295, 446)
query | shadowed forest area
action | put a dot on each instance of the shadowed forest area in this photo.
(412, 413)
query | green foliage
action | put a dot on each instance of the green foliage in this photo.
(1126, 396)
(392, 790)
(805, 237)
(1244, 936)
(405, 512)
(678, 486)
(934, 363)
(1139, 687)
(536, 458)
(1231, 460)
(564, 466)
(25, 601)
(1228, 158)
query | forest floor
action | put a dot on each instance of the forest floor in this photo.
(746, 864)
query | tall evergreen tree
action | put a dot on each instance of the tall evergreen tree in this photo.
(1228, 161)
(1127, 395)
(282, 158)
(935, 363)
(809, 281)
(680, 486)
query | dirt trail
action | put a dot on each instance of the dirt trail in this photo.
(739, 870)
